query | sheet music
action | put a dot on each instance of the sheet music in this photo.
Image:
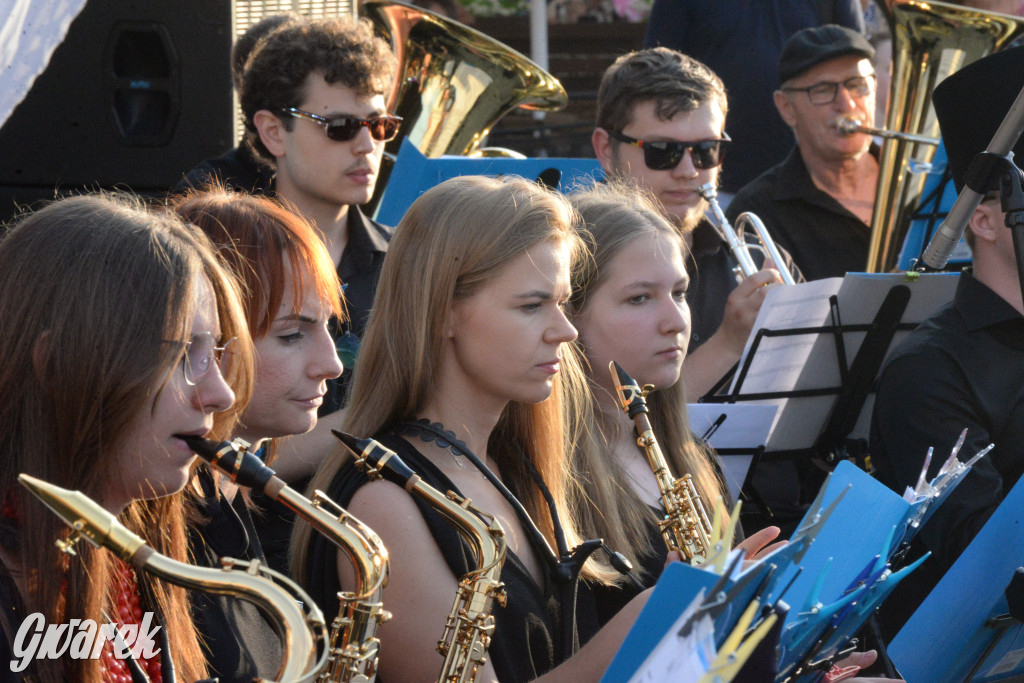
(744, 426)
(809, 361)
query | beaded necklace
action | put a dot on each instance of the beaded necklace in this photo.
(129, 611)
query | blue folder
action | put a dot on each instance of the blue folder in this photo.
(946, 635)
(414, 174)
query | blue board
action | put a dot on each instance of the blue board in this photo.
(414, 174)
(946, 635)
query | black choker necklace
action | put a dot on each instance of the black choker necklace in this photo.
(428, 431)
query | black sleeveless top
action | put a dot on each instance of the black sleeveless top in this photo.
(527, 640)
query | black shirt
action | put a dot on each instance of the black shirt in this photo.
(359, 272)
(238, 169)
(963, 367)
(824, 238)
(526, 641)
(239, 642)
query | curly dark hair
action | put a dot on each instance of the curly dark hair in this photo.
(343, 50)
(673, 81)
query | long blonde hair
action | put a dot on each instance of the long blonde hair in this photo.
(454, 239)
(90, 289)
(615, 214)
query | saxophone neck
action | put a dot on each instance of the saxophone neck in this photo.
(278, 596)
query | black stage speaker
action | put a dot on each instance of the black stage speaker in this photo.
(137, 94)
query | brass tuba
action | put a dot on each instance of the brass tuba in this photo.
(299, 622)
(930, 41)
(453, 83)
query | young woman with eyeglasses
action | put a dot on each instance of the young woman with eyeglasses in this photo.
(290, 293)
(114, 320)
(468, 331)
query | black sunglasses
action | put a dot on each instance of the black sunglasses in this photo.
(663, 155)
(344, 128)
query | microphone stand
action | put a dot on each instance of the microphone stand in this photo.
(995, 162)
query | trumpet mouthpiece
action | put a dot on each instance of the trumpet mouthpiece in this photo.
(848, 126)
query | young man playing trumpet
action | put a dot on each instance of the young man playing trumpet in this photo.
(661, 121)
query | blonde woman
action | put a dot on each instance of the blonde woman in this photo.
(469, 331)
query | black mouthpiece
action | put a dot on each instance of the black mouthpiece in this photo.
(244, 468)
(630, 396)
(376, 460)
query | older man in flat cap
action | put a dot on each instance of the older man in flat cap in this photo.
(817, 203)
(964, 366)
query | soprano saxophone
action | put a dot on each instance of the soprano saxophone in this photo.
(354, 648)
(298, 621)
(470, 624)
(685, 527)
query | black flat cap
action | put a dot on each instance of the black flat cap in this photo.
(971, 103)
(812, 46)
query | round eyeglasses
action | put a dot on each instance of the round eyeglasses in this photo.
(826, 91)
(201, 354)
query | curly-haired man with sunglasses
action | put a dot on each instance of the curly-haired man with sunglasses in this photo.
(313, 99)
(661, 122)
(817, 203)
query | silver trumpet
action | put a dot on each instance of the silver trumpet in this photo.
(736, 237)
(852, 126)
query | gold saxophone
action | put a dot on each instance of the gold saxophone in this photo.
(300, 628)
(354, 648)
(686, 526)
(468, 629)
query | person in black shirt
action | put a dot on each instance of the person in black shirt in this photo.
(817, 203)
(964, 366)
(115, 321)
(470, 331)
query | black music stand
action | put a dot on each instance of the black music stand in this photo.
(829, 371)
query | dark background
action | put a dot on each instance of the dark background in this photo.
(137, 94)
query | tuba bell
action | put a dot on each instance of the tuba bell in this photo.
(453, 83)
(930, 41)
